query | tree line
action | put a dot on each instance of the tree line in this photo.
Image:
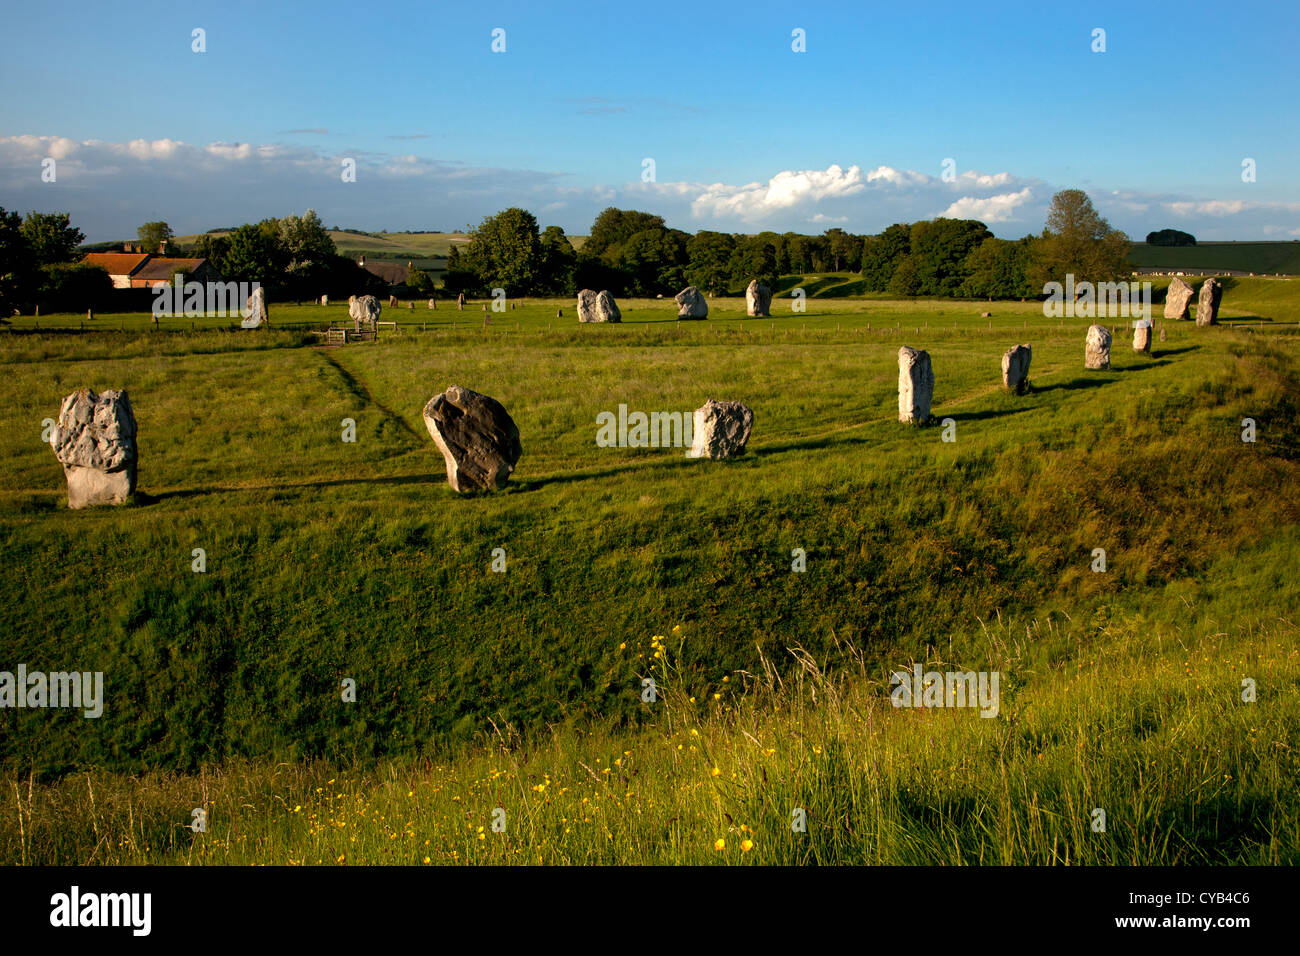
(635, 253)
(629, 252)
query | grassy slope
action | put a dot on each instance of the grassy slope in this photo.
(1259, 257)
(330, 560)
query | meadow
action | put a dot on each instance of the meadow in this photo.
(1121, 690)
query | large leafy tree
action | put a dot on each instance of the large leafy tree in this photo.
(15, 262)
(559, 262)
(1078, 241)
(613, 227)
(995, 269)
(939, 250)
(255, 254)
(654, 259)
(51, 237)
(155, 235)
(308, 251)
(881, 255)
(505, 251)
(709, 257)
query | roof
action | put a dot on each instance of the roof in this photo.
(394, 273)
(162, 267)
(116, 263)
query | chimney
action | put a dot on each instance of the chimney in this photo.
(126, 247)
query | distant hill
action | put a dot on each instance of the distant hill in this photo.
(1244, 257)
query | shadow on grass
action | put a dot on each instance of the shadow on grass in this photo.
(986, 414)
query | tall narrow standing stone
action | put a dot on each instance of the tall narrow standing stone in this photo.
(1177, 299)
(915, 385)
(1142, 336)
(1096, 353)
(1015, 367)
(758, 299)
(1207, 306)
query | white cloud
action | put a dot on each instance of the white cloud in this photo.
(1000, 208)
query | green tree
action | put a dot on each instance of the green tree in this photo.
(709, 260)
(51, 237)
(308, 251)
(881, 255)
(995, 269)
(16, 263)
(939, 248)
(844, 249)
(1077, 240)
(505, 251)
(559, 263)
(255, 254)
(654, 259)
(613, 227)
(906, 279)
(420, 282)
(155, 234)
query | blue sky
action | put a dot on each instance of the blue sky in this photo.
(745, 133)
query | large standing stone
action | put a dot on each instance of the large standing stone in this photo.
(690, 304)
(607, 308)
(94, 438)
(255, 313)
(597, 307)
(720, 430)
(1207, 306)
(1096, 354)
(758, 298)
(364, 311)
(476, 436)
(1177, 299)
(325, 300)
(1142, 336)
(915, 385)
(1015, 367)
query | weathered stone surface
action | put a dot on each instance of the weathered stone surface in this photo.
(1015, 367)
(690, 304)
(433, 304)
(758, 298)
(324, 300)
(94, 439)
(1177, 299)
(255, 313)
(364, 312)
(720, 430)
(607, 309)
(1207, 305)
(915, 385)
(597, 307)
(1142, 336)
(477, 437)
(1096, 353)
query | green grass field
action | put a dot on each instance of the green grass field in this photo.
(477, 690)
(1256, 257)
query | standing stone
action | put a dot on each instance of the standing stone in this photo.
(1096, 353)
(94, 439)
(432, 305)
(607, 308)
(1177, 299)
(1015, 368)
(364, 311)
(460, 301)
(1142, 336)
(1207, 306)
(690, 304)
(324, 300)
(720, 430)
(587, 306)
(758, 299)
(255, 313)
(1162, 333)
(915, 385)
(392, 301)
(477, 437)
